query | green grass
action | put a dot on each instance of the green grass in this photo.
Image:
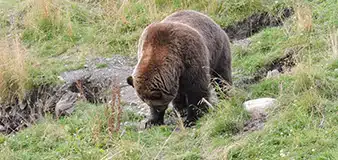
(303, 126)
(84, 135)
(101, 65)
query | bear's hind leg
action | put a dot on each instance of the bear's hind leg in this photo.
(222, 76)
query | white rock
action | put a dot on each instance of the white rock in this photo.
(273, 73)
(259, 105)
(2, 128)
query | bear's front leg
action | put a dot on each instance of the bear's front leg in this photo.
(194, 113)
(195, 109)
(156, 117)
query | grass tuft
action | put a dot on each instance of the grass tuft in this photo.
(304, 16)
(13, 70)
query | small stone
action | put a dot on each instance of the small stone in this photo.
(2, 128)
(142, 125)
(273, 73)
(244, 43)
(259, 105)
(61, 79)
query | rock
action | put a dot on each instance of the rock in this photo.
(273, 73)
(96, 83)
(142, 124)
(259, 105)
(2, 128)
(66, 104)
(257, 108)
(129, 96)
(244, 43)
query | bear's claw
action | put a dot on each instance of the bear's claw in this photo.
(150, 123)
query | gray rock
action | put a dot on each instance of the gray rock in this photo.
(129, 96)
(66, 104)
(260, 105)
(273, 73)
(2, 128)
(258, 110)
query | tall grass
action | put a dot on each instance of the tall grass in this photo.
(304, 16)
(13, 69)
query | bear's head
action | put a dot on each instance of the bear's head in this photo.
(156, 75)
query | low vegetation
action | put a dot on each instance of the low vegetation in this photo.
(43, 38)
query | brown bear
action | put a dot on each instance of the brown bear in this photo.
(177, 58)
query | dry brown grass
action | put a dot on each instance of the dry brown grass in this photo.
(79, 86)
(116, 11)
(42, 9)
(303, 14)
(113, 11)
(97, 129)
(114, 118)
(13, 69)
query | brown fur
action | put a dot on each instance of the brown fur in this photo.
(177, 57)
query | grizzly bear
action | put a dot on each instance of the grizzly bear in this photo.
(177, 58)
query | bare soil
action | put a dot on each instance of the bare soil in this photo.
(255, 23)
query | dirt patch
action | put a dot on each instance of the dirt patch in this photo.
(96, 81)
(282, 64)
(255, 123)
(15, 116)
(256, 23)
(93, 83)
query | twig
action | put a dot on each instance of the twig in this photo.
(79, 86)
(321, 125)
(180, 122)
(119, 114)
(208, 103)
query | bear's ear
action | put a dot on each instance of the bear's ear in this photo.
(130, 81)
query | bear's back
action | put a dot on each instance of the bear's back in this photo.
(215, 38)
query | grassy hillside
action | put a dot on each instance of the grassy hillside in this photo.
(41, 39)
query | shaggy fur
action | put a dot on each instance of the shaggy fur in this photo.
(177, 57)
